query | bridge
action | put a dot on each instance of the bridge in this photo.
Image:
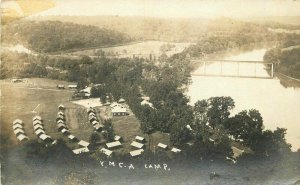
(205, 63)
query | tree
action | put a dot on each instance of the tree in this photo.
(108, 127)
(219, 109)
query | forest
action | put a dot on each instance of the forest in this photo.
(55, 36)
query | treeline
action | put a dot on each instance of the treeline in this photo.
(56, 36)
(288, 54)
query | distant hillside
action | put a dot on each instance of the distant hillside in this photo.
(176, 30)
(53, 36)
(291, 21)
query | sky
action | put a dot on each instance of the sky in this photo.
(176, 8)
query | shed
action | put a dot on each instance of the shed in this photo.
(37, 118)
(22, 137)
(119, 111)
(17, 121)
(61, 107)
(163, 146)
(72, 137)
(80, 150)
(83, 143)
(113, 144)
(92, 114)
(60, 121)
(38, 126)
(95, 122)
(89, 110)
(60, 117)
(117, 138)
(140, 139)
(175, 150)
(98, 127)
(65, 131)
(60, 86)
(106, 151)
(60, 126)
(37, 122)
(17, 126)
(93, 119)
(61, 113)
(39, 132)
(44, 137)
(72, 86)
(19, 131)
(137, 145)
(135, 153)
(121, 100)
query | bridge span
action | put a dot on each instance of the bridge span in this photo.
(205, 63)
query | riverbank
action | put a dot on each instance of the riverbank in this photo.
(288, 81)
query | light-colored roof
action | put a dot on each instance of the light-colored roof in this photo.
(38, 126)
(175, 150)
(60, 121)
(93, 117)
(87, 90)
(36, 117)
(106, 151)
(60, 113)
(121, 100)
(113, 144)
(59, 125)
(189, 127)
(44, 136)
(80, 150)
(161, 145)
(64, 130)
(71, 137)
(60, 116)
(72, 86)
(17, 126)
(18, 130)
(117, 109)
(61, 106)
(139, 138)
(145, 102)
(83, 143)
(114, 104)
(17, 121)
(147, 98)
(95, 122)
(36, 122)
(136, 152)
(90, 109)
(98, 126)
(22, 137)
(39, 131)
(117, 138)
(137, 145)
(92, 114)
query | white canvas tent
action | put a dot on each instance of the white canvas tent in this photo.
(113, 144)
(137, 145)
(136, 152)
(18, 121)
(83, 143)
(106, 151)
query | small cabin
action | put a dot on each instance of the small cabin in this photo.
(60, 86)
(136, 153)
(162, 146)
(115, 144)
(137, 145)
(119, 111)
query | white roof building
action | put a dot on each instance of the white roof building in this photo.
(95, 122)
(161, 145)
(61, 125)
(17, 126)
(139, 138)
(117, 138)
(98, 126)
(22, 137)
(35, 122)
(145, 102)
(106, 151)
(71, 137)
(60, 121)
(122, 100)
(35, 127)
(18, 131)
(137, 145)
(83, 143)
(61, 106)
(72, 86)
(65, 131)
(175, 150)
(44, 137)
(18, 121)
(113, 144)
(136, 152)
(37, 117)
(61, 113)
(80, 150)
(39, 132)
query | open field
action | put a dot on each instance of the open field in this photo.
(138, 49)
(39, 97)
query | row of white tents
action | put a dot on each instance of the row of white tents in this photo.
(19, 130)
(39, 130)
(94, 120)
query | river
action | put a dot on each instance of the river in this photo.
(278, 105)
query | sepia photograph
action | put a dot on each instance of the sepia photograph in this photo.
(150, 92)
